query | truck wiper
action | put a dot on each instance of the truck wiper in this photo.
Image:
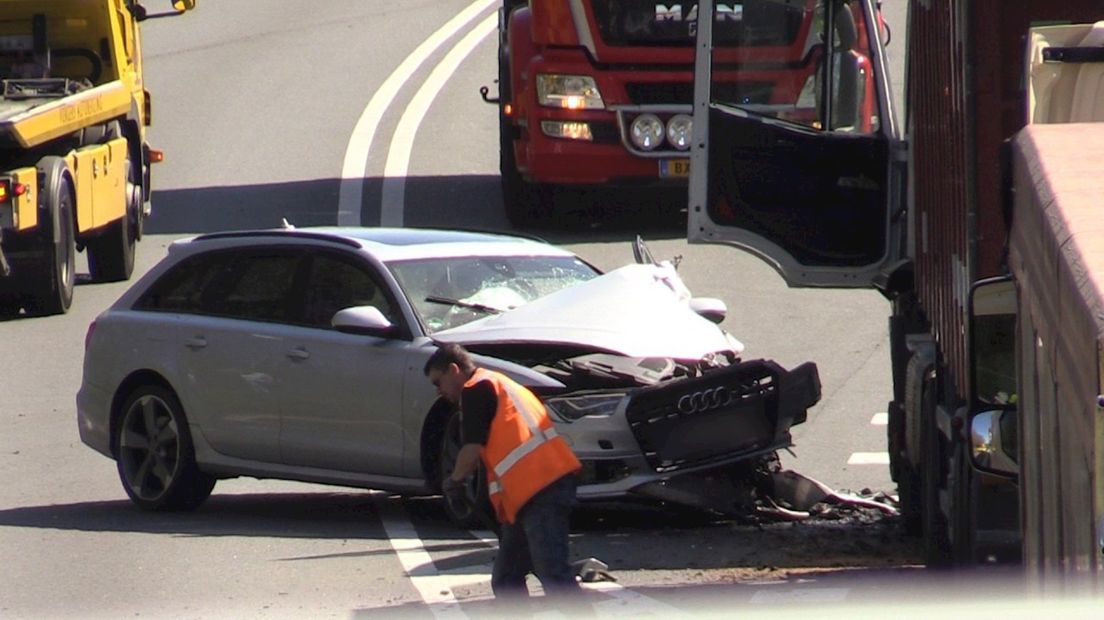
(464, 304)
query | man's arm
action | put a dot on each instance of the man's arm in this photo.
(478, 403)
(466, 462)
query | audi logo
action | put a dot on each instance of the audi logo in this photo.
(705, 400)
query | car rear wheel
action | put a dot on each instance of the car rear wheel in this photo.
(477, 512)
(154, 452)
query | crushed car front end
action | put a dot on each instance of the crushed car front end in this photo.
(673, 430)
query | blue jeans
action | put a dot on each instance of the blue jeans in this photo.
(537, 542)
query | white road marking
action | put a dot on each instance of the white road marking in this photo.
(436, 587)
(402, 143)
(869, 458)
(355, 164)
(880, 419)
(626, 601)
(807, 595)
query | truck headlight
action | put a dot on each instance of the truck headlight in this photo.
(646, 132)
(571, 92)
(572, 408)
(679, 130)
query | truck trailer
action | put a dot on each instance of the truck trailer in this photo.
(969, 224)
(74, 161)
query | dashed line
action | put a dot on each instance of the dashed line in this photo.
(869, 458)
(880, 419)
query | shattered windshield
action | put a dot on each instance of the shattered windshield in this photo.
(449, 292)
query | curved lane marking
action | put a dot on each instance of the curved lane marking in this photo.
(355, 164)
(402, 143)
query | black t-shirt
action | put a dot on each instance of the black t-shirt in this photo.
(478, 404)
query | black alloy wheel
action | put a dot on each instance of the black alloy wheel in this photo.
(477, 513)
(154, 453)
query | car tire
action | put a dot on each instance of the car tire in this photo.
(155, 455)
(478, 513)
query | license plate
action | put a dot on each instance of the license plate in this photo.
(674, 168)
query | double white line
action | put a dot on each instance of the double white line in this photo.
(354, 167)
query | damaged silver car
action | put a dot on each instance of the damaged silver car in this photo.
(298, 354)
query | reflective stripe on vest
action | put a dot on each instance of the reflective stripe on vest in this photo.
(523, 453)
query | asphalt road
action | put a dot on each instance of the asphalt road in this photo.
(262, 109)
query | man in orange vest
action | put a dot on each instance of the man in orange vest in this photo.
(530, 470)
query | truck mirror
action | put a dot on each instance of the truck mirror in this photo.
(992, 323)
(183, 5)
(993, 441)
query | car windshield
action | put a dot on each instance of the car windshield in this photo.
(449, 292)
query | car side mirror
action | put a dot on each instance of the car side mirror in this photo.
(710, 308)
(363, 320)
(993, 441)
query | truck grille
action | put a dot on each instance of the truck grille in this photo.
(720, 415)
(682, 93)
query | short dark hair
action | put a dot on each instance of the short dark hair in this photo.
(449, 354)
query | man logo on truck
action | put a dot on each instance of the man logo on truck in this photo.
(725, 13)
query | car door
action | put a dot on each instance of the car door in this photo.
(342, 396)
(808, 176)
(230, 351)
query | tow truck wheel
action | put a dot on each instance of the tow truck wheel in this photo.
(111, 255)
(154, 453)
(525, 204)
(58, 274)
(465, 516)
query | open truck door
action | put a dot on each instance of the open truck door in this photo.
(807, 173)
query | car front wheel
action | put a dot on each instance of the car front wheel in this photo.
(154, 453)
(477, 511)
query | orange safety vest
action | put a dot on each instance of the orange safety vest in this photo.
(523, 453)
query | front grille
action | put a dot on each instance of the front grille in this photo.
(682, 93)
(720, 415)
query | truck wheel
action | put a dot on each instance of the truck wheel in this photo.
(154, 453)
(111, 255)
(526, 205)
(962, 537)
(466, 517)
(58, 273)
(910, 481)
(937, 546)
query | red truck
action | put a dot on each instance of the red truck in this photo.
(981, 234)
(597, 93)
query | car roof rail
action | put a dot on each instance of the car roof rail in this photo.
(278, 233)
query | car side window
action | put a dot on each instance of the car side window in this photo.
(181, 289)
(336, 283)
(254, 285)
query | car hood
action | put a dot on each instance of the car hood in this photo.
(637, 311)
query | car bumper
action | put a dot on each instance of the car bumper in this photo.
(94, 419)
(666, 441)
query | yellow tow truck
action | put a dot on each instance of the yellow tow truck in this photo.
(74, 162)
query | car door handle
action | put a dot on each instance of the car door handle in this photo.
(298, 353)
(197, 342)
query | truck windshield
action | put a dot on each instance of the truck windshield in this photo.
(799, 46)
(748, 23)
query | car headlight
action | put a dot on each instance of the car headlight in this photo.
(572, 92)
(647, 131)
(572, 408)
(679, 129)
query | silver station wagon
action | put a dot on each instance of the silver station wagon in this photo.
(298, 353)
